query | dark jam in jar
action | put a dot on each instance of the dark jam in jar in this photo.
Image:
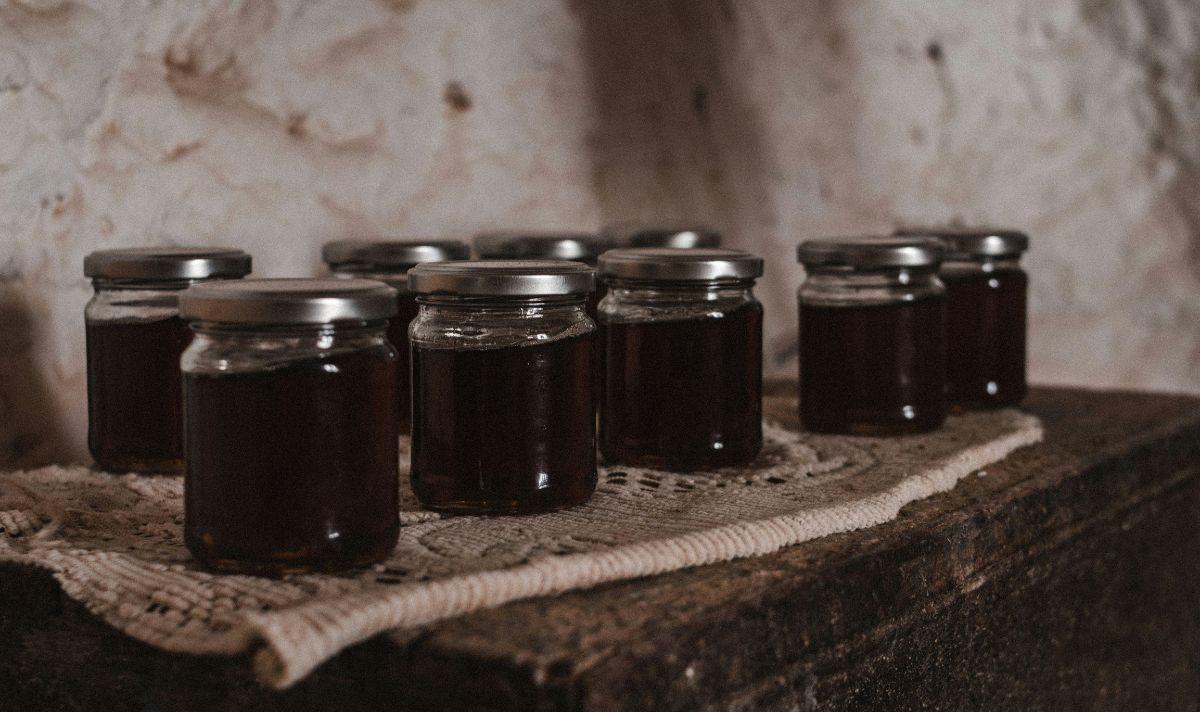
(397, 332)
(985, 336)
(294, 468)
(682, 336)
(503, 399)
(872, 336)
(291, 425)
(504, 430)
(683, 395)
(874, 369)
(389, 261)
(134, 413)
(135, 338)
(986, 292)
(593, 302)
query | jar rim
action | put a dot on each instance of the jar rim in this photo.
(166, 263)
(390, 255)
(502, 278)
(688, 238)
(288, 301)
(539, 245)
(870, 252)
(974, 242)
(671, 264)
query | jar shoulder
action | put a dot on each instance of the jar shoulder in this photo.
(441, 328)
(833, 289)
(651, 305)
(243, 351)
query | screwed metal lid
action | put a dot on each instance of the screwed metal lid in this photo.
(288, 301)
(510, 245)
(677, 265)
(398, 255)
(502, 278)
(167, 263)
(869, 252)
(965, 243)
(681, 238)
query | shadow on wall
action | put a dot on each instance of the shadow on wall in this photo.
(673, 139)
(685, 95)
(32, 431)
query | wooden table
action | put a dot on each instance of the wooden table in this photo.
(1066, 577)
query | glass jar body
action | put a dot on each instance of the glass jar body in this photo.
(985, 332)
(503, 404)
(682, 388)
(291, 447)
(397, 333)
(134, 340)
(872, 351)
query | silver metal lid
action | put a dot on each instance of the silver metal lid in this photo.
(676, 265)
(681, 238)
(966, 243)
(502, 278)
(288, 301)
(398, 255)
(514, 245)
(167, 263)
(869, 252)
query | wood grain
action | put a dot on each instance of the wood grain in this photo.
(1066, 576)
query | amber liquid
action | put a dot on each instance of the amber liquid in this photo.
(135, 420)
(293, 469)
(508, 430)
(397, 333)
(873, 370)
(683, 395)
(985, 337)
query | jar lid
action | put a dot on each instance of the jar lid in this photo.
(399, 255)
(679, 265)
(502, 278)
(966, 243)
(871, 252)
(681, 238)
(167, 263)
(288, 301)
(508, 245)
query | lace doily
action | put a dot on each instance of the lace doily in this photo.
(114, 542)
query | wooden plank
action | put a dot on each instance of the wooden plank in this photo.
(1067, 576)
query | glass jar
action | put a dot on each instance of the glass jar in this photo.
(985, 315)
(389, 262)
(872, 336)
(291, 425)
(503, 413)
(134, 340)
(682, 335)
(575, 246)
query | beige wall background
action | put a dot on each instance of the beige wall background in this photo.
(276, 125)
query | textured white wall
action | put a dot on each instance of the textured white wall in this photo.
(277, 125)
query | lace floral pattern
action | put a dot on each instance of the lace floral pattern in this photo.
(114, 542)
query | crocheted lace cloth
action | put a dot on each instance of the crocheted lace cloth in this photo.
(114, 542)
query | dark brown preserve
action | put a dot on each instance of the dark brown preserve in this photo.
(593, 302)
(985, 336)
(298, 468)
(507, 430)
(134, 418)
(397, 334)
(874, 369)
(683, 395)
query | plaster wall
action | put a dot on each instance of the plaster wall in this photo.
(276, 125)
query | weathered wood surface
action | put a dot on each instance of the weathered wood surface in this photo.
(1067, 577)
